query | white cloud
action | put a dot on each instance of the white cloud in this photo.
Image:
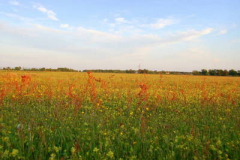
(192, 34)
(96, 36)
(15, 16)
(50, 13)
(160, 23)
(15, 31)
(15, 3)
(64, 25)
(103, 49)
(105, 39)
(224, 31)
(120, 20)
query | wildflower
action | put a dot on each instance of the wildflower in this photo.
(133, 157)
(73, 150)
(219, 143)
(228, 110)
(95, 149)
(212, 147)
(195, 158)
(219, 152)
(5, 153)
(19, 126)
(110, 154)
(52, 157)
(14, 152)
(57, 149)
(5, 139)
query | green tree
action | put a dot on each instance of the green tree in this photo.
(204, 72)
(195, 72)
(232, 72)
(17, 68)
(212, 72)
(225, 73)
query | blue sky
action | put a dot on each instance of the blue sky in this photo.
(180, 35)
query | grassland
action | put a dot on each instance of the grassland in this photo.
(55, 115)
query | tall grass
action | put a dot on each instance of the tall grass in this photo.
(48, 115)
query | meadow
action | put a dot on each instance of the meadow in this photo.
(57, 115)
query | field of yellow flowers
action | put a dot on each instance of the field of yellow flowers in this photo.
(56, 115)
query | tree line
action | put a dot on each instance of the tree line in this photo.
(217, 72)
(211, 72)
(139, 71)
(64, 69)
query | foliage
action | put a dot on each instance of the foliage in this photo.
(217, 72)
(204, 72)
(232, 72)
(56, 115)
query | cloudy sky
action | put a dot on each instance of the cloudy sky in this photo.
(180, 35)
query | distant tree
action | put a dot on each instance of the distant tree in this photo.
(34, 69)
(195, 72)
(225, 73)
(232, 72)
(219, 72)
(204, 72)
(163, 72)
(130, 71)
(238, 72)
(212, 72)
(145, 71)
(42, 69)
(139, 71)
(7, 68)
(17, 68)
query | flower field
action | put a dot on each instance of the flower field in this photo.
(57, 115)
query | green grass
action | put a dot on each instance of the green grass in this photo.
(73, 116)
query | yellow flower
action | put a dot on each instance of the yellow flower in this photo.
(5, 139)
(133, 157)
(57, 149)
(228, 110)
(52, 157)
(14, 152)
(73, 150)
(95, 149)
(219, 152)
(5, 153)
(219, 143)
(212, 147)
(110, 154)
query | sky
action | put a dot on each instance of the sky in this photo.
(171, 35)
